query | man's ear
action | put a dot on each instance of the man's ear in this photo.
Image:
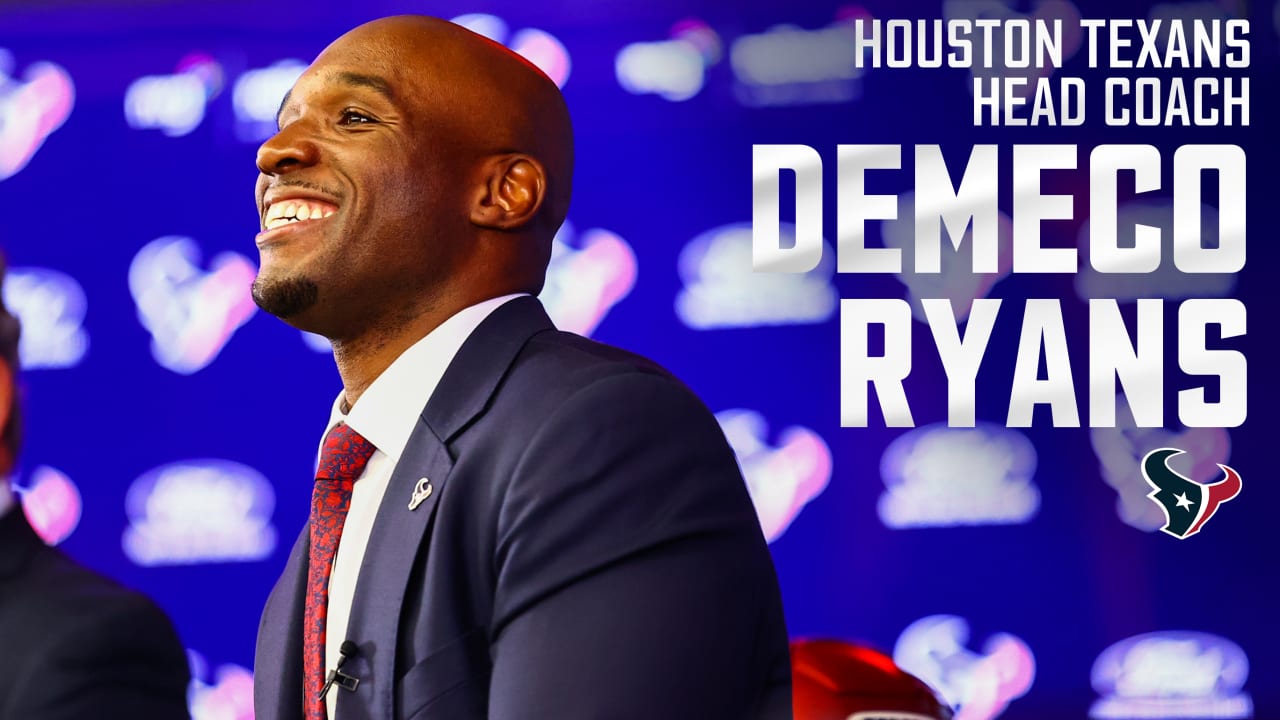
(514, 188)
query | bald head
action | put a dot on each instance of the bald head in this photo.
(493, 101)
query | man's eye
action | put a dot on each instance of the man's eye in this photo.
(353, 117)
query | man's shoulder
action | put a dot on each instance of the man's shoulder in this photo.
(568, 384)
(53, 573)
(80, 640)
(55, 594)
(555, 366)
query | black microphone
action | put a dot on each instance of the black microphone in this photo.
(348, 649)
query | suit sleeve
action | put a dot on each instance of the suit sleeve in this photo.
(123, 661)
(633, 580)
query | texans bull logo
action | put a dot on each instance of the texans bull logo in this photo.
(1187, 504)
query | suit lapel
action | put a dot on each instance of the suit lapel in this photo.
(481, 363)
(384, 575)
(398, 531)
(277, 667)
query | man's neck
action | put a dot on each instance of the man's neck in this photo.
(362, 359)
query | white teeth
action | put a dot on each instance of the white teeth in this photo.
(287, 211)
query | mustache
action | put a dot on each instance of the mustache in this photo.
(306, 185)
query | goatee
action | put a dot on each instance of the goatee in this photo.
(285, 298)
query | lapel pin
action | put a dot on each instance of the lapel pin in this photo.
(421, 492)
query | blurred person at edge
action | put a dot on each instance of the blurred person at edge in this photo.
(73, 645)
(508, 521)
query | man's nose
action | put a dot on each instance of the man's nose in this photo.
(289, 149)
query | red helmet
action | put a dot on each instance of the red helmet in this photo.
(837, 680)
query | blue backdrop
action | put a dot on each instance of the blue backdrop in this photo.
(171, 428)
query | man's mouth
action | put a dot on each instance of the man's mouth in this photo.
(284, 212)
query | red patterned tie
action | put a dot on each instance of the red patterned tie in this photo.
(342, 459)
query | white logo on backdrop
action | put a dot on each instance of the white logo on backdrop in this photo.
(589, 274)
(722, 291)
(1171, 674)
(979, 686)
(51, 502)
(199, 511)
(781, 479)
(191, 313)
(174, 104)
(673, 69)
(30, 110)
(222, 694)
(938, 476)
(51, 306)
(787, 65)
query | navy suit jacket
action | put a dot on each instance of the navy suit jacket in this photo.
(76, 645)
(588, 551)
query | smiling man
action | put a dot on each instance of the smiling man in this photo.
(507, 521)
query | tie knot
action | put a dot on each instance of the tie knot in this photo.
(344, 454)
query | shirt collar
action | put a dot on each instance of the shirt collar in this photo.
(388, 410)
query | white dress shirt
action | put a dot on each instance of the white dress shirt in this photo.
(385, 415)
